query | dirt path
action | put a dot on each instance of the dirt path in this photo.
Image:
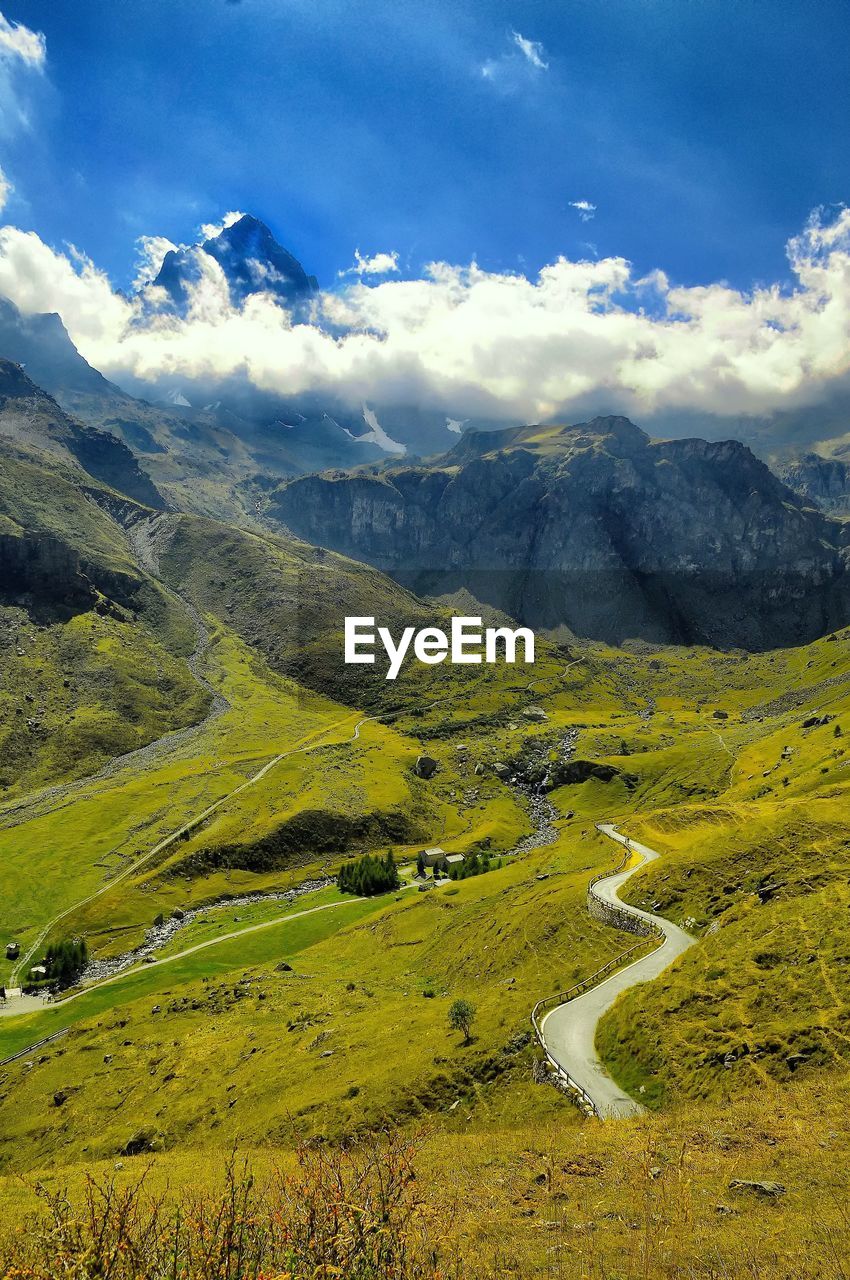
(18, 1008)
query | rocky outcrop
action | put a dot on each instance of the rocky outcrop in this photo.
(823, 481)
(578, 771)
(40, 342)
(38, 568)
(45, 569)
(425, 767)
(595, 527)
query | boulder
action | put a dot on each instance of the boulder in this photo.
(501, 771)
(767, 1190)
(146, 1140)
(572, 772)
(425, 767)
(537, 714)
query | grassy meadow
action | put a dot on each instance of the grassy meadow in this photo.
(325, 1017)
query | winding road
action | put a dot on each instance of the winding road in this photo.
(569, 1030)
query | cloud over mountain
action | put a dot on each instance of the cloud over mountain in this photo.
(468, 340)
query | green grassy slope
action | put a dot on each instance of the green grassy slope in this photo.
(703, 755)
(222, 1026)
(83, 678)
(761, 868)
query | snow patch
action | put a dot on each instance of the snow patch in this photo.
(377, 435)
(177, 397)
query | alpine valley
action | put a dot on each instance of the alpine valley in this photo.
(274, 928)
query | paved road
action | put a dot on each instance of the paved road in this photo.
(569, 1031)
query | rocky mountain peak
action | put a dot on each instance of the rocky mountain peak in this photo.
(616, 426)
(252, 261)
(40, 342)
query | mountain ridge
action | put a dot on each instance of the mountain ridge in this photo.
(596, 527)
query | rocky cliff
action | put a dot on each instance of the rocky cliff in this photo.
(596, 527)
(824, 481)
(43, 568)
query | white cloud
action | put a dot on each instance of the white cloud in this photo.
(6, 190)
(150, 251)
(586, 211)
(18, 43)
(532, 50)
(380, 264)
(524, 58)
(209, 230)
(465, 341)
(22, 53)
(38, 278)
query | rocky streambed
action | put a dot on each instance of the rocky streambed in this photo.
(158, 935)
(533, 788)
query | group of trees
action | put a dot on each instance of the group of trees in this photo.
(369, 875)
(66, 960)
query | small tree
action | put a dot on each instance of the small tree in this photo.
(461, 1018)
(420, 864)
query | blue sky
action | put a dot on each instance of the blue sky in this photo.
(704, 131)
(633, 205)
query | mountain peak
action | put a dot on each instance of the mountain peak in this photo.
(244, 229)
(252, 261)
